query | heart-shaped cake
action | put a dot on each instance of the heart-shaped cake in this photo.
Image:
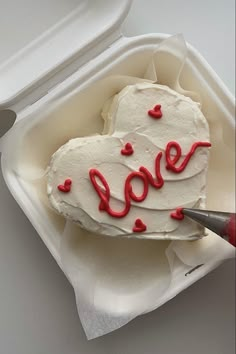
(133, 180)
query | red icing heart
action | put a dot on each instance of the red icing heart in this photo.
(139, 226)
(155, 112)
(127, 150)
(178, 214)
(66, 187)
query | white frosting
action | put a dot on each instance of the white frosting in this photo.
(127, 120)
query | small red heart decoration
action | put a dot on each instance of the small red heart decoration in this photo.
(178, 214)
(139, 226)
(66, 187)
(156, 112)
(127, 150)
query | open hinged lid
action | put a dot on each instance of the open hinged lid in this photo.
(42, 42)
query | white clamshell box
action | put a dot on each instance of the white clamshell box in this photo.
(80, 43)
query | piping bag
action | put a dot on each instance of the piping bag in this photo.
(222, 223)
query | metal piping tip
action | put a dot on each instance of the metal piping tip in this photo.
(215, 221)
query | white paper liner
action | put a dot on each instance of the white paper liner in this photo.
(115, 280)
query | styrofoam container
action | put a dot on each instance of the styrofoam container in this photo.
(53, 78)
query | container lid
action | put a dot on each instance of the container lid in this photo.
(38, 39)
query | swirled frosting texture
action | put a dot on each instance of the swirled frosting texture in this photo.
(127, 122)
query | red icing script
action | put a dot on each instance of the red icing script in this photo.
(171, 161)
(144, 175)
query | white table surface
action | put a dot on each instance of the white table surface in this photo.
(37, 308)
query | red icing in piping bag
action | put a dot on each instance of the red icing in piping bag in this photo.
(230, 230)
